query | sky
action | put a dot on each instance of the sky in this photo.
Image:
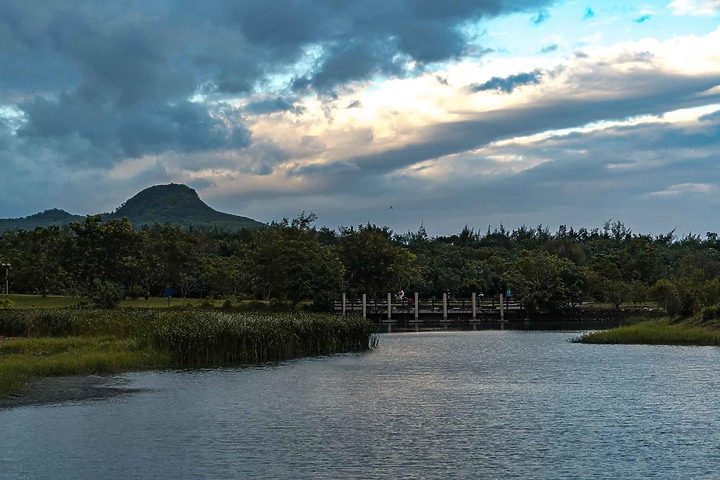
(402, 113)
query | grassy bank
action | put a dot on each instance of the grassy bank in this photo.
(79, 342)
(658, 332)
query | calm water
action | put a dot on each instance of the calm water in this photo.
(500, 404)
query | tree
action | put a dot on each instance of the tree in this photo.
(169, 258)
(103, 251)
(372, 263)
(545, 283)
(288, 262)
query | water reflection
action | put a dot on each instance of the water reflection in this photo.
(491, 404)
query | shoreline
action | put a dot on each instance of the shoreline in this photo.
(67, 389)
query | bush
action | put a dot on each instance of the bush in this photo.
(107, 294)
(136, 291)
(6, 303)
(711, 313)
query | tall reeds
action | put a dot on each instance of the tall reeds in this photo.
(215, 338)
(201, 337)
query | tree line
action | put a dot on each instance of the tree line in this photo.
(295, 262)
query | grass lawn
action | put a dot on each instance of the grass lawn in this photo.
(59, 301)
(38, 301)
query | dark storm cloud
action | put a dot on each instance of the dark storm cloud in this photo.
(540, 17)
(149, 128)
(116, 77)
(509, 83)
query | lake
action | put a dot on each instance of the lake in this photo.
(485, 404)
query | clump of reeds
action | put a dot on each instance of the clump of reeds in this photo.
(654, 333)
(216, 338)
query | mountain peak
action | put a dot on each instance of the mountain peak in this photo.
(173, 197)
(180, 205)
(174, 203)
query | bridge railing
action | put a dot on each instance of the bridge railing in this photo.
(408, 305)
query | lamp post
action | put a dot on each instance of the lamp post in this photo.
(7, 268)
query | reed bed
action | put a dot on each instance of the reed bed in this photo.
(656, 332)
(88, 341)
(215, 338)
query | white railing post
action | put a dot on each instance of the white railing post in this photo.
(445, 306)
(502, 307)
(417, 307)
(474, 306)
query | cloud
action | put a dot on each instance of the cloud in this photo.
(695, 7)
(142, 78)
(540, 17)
(509, 83)
(549, 48)
(589, 13)
(272, 105)
(686, 188)
(643, 18)
(110, 134)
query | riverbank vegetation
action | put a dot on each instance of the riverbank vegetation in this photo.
(294, 263)
(657, 332)
(53, 342)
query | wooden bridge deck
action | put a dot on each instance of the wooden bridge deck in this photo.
(457, 310)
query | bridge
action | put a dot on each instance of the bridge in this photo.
(428, 313)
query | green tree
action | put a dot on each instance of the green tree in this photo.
(373, 264)
(288, 262)
(545, 283)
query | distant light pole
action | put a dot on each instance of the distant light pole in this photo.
(7, 268)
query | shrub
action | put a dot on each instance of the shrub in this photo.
(107, 294)
(136, 291)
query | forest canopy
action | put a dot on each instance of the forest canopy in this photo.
(295, 262)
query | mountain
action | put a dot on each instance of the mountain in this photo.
(43, 219)
(176, 204)
(179, 205)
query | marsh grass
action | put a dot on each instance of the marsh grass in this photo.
(24, 359)
(215, 338)
(87, 341)
(656, 332)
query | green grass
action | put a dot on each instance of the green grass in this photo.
(656, 332)
(86, 341)
(38, 301)
(24, 359)
(59, 301)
